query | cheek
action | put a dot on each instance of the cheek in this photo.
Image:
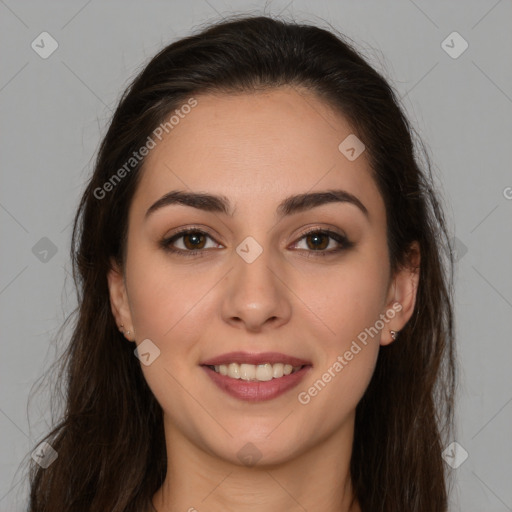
(168, 307)
(163, 296)
(171, 306)
(346, 358)
(349, 301)
(346, 299)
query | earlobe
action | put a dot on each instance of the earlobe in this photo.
(119, 299)
(402, 295)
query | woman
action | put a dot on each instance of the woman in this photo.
(265, 318)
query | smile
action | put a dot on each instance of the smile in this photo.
(256, 377)
(257, 390)
(251, 372)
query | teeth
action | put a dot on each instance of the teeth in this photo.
(260, 372)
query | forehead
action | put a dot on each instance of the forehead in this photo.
(255, 148)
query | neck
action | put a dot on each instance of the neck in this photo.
(317, 479)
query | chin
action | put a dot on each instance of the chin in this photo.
(258, 445)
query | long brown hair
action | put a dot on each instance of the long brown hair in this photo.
(110, 439)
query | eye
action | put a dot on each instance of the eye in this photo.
(318, 240)
(193, 242)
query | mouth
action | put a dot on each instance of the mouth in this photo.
(260, 367)
(256, 377)
(251, 372)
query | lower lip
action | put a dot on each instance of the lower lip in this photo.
(257, 391)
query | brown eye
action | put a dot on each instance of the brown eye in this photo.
(319, 240)
(194, 240)
(189, 242)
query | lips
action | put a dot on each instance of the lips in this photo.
(256, 390)
(255, 358)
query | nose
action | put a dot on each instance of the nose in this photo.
(256, 296)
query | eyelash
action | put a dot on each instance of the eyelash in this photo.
(166, 243)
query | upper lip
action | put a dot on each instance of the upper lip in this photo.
(253, 358)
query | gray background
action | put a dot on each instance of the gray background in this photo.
(54, 112)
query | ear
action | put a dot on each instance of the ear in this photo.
(119, 301)
(402, 294)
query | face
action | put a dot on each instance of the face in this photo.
(309, 280)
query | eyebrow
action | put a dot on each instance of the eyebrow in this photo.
(289, 206)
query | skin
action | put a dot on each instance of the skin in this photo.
(257, 149)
